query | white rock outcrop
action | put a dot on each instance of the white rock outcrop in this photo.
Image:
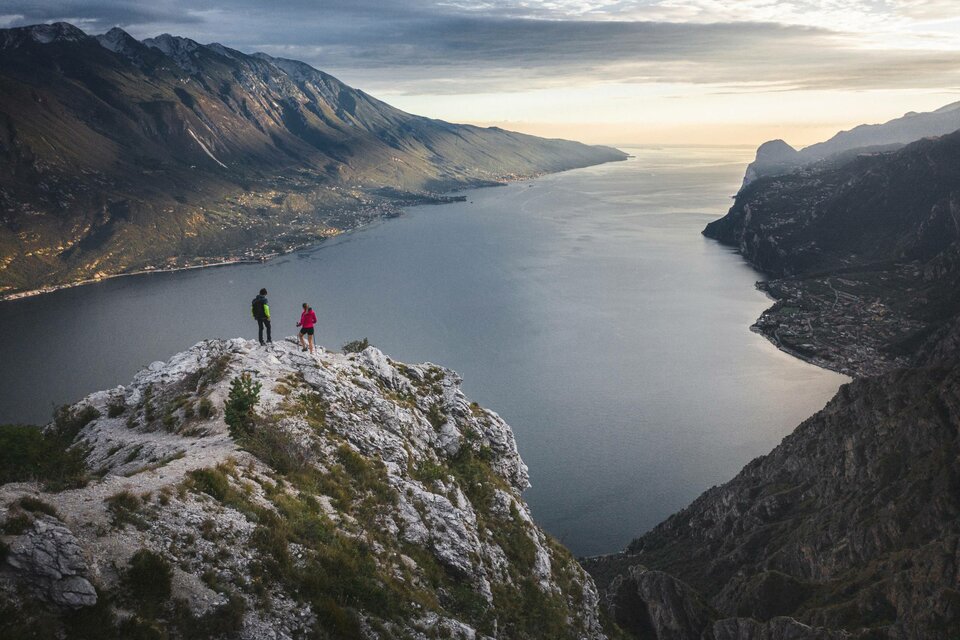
(381, 473)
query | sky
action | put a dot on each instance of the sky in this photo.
(601, 71)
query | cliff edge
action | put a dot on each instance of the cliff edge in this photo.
(250, 492)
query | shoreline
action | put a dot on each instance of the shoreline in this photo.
(261, 258)
(142, 272)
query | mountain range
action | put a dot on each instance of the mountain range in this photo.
(777, 157)
(119, 155)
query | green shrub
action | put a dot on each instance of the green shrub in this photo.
(28, 454)
(475, 477)
(213, 482)
(17, 523)
(429, 471)
(213, 372)
(435, 416)
(238, 410)
(148, 578)
(356, 346)
(124, 508)
(276, 448)
(35, 505)
(68, 421)
(23, 452)
(206, 409)
(314, 409)
(223, 621)
(116, 408)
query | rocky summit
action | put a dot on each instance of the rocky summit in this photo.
(263, 492)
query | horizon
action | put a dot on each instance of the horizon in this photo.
(648, 71)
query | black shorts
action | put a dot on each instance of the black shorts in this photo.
(306, 332)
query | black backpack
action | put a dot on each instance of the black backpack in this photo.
(257, 306)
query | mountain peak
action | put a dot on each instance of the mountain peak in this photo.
(56, 32)
(181, 50)
(41, 34)
(117, 40)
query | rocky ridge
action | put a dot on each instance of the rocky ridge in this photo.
(372, 499)
(776, 157)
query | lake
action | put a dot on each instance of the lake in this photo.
(584, 307)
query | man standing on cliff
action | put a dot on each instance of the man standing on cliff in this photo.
(261, 312)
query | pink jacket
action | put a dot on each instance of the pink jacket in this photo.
(308, 318)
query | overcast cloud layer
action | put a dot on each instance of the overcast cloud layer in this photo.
(454, 47)
(504, 45)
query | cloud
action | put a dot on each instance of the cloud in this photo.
(454, 46)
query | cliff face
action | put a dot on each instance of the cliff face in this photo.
(851, 524)
(849, 528)
(117, 154)
(865, 252)
(363, 498)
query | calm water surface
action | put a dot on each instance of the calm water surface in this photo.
(584, 307)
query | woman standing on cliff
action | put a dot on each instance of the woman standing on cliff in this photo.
(307, 321)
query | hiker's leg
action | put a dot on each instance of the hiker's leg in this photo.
(310, 338)
(269, 337)
(300, 339)
(260, 330)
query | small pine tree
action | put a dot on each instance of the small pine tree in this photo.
(238, 409)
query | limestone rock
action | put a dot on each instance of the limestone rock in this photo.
(379, 473)
(48, 558)
(652, 602)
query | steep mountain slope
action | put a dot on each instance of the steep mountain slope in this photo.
(867, 250)
(119, 154)
(850, 525)
(777, 157)
(362, 498)
(849, 528)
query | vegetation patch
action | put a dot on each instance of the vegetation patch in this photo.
(238, 410)
(436, 416)
(215, 482)
(429, 472)
(124, 508)
(116, 408)
(35, 505)
(205, 409)
(356, 346)
(148, 579)
(28, 453)
(312, 408)
(276, 448)
(17, 523)
(204, 377)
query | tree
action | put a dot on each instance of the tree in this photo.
(238, 409)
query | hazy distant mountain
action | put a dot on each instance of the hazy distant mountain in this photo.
(777, 157)
(117, 154)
